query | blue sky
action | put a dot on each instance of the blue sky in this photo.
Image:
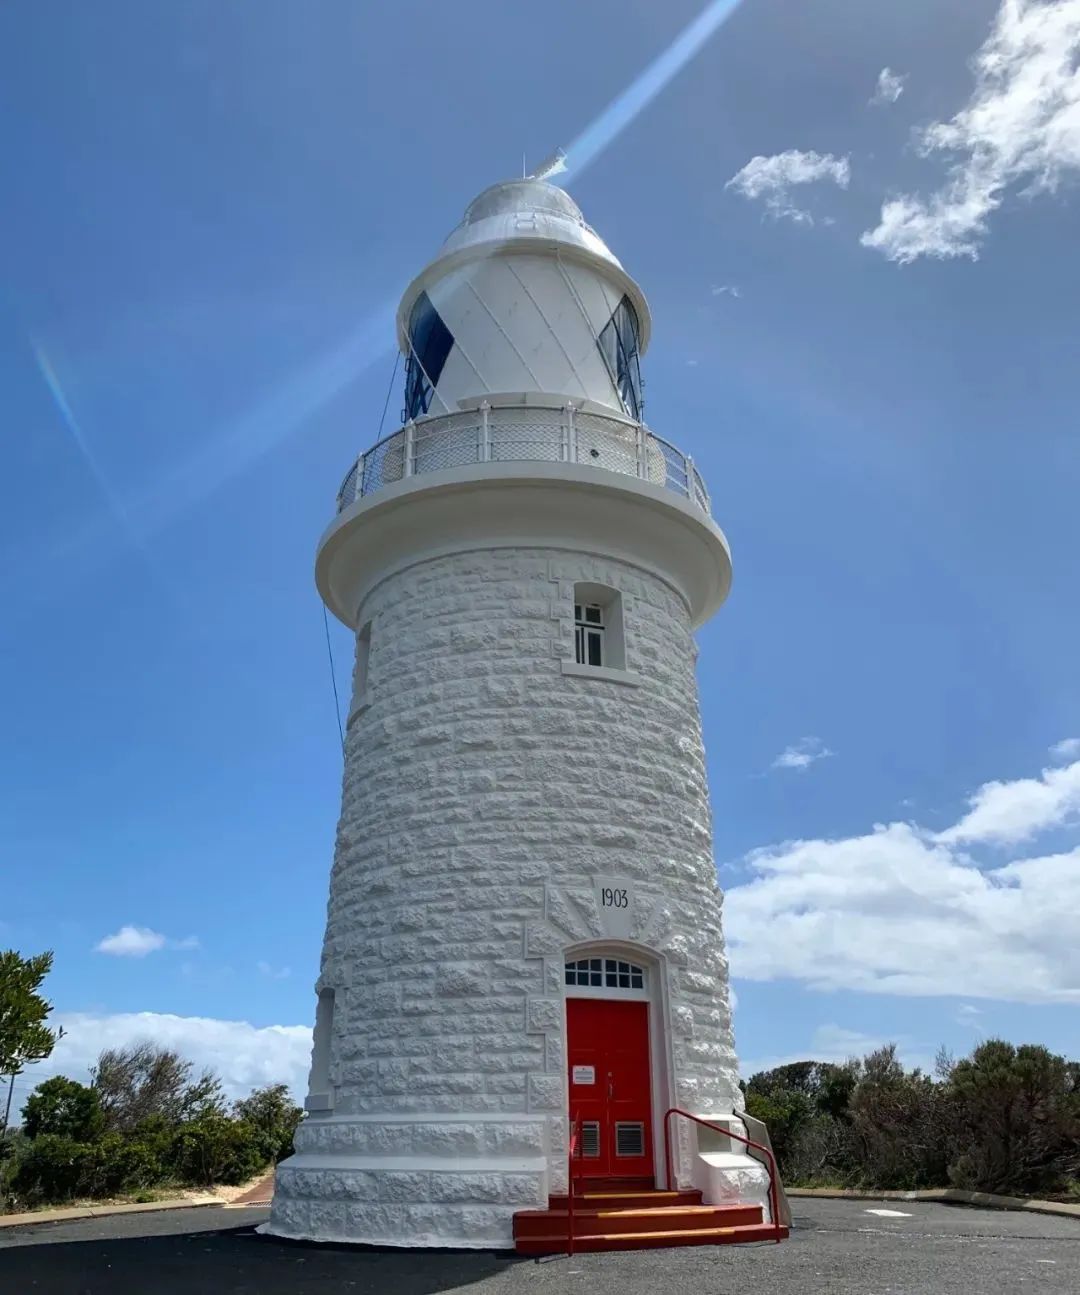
(209, 211)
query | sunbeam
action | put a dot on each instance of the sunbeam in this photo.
(71, 425)
(624, 108)
(280, 412)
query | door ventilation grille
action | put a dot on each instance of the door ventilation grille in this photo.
(590, 1139)
(629, 1139)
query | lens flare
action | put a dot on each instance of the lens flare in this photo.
(71, 425)
(624, 108)
(277, 415)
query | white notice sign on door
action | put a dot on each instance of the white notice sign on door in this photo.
(583, 1075)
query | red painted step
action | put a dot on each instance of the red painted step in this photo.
(587, 1223)
(638, 1219)
(654, 1240)
(625, 1200)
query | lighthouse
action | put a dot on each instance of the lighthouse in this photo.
(523, 944)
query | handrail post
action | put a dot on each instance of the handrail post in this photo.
(570, 1188)
(409, 466)
(642, 452)
(571, 433)
(485, 431)
(689, 461)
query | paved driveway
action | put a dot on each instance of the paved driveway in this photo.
(838, 1247)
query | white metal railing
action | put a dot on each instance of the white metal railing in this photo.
(524, 434)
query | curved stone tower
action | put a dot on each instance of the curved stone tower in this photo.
(524, 920)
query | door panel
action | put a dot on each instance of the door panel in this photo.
(610, 1085)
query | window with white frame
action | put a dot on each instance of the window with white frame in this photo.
(605, 973)
(589, 634)
(598, 627)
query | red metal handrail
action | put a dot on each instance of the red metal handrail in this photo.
(570, 1186)
(720, 1128)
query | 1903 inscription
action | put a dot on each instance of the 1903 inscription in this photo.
(613, 898)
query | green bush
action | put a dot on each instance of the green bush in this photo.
(119, 1164)
(1016, 1120)
(900, 1124)
(62, 1106)
(274, 1116)
(217, 1149)
(50, 1168)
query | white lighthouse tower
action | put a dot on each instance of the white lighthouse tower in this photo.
(523, 929)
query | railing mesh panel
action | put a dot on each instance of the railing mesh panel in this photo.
(449, 443)
(525, 434)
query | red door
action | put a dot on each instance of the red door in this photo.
(610, 1086)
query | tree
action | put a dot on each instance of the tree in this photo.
(66, 1108)
(24, 1036)
(1017, 1119)
(901, 1124)
(144, 1080)
(273, 1114)
(804, 1105)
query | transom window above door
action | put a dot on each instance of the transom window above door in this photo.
(605, 973)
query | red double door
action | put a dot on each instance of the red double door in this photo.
(610, 1086)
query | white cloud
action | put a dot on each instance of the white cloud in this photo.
(131, 942)
(245, 1056)
(1007, 812)
(138, 941)
(903, 910)
(889, 88)
(772, 179)
(726, 289)
(273, 973)
(1022, 123)
(1067, 749)
(801, 754)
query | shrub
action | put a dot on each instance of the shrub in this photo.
(900, 1125)
(217, 1149)
(1016, 1117)
(274, 1116)
(50, 1168)
(64, 1107)
(118, 1164)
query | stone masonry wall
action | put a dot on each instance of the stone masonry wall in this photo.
(484, 790)
(476, 773)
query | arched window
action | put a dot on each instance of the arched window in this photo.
(605, 973)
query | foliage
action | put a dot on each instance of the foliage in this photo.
(145, 1080)
(64, 1152)
(50, 1168)
(799, 1103)
(272, 1113)
(1006, 1119)
(64, 1107)
(24, 1036)
(900, 1125)
(217, 1149)
(1017, 1113)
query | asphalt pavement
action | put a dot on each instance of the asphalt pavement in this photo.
(837, 1247)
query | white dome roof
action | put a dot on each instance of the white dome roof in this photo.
(517, 209)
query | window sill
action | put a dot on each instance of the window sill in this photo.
(601, 672)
